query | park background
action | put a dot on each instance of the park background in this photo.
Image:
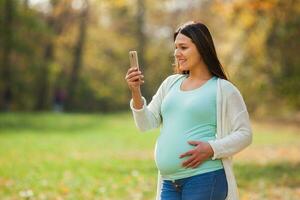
(66, 131)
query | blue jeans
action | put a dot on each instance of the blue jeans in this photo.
(207, 186)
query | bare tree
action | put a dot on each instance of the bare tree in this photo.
(26, 4)
(56, 24)
(141, 37)
(7, 49)
(78, 54)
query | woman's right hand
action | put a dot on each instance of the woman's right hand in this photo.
(134, 78)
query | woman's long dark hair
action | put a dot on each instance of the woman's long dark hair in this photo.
(201, 37)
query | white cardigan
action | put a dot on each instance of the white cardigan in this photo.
(233, 125)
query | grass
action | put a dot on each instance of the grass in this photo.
(89, 156)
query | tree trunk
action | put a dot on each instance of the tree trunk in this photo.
(43, 79)
(77, 62)
(6, 61)
(26, 4)
(141, 39)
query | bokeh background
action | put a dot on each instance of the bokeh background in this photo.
(66, 131)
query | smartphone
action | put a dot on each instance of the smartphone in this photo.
(133, 58)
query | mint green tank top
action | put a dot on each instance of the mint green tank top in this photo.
(186, 116)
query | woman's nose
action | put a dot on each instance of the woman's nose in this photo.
(176, 53)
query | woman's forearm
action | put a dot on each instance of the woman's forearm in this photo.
(137, 99)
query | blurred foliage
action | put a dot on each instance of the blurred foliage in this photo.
(44, 49)
(266, 49)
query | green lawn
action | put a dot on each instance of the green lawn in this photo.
(88, 156)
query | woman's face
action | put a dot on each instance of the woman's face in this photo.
(186, 53)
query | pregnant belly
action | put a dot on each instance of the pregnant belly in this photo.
(170, 146)
(167, 154)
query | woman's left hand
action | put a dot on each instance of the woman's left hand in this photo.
(200, 153)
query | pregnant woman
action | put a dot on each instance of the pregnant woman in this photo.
(203, 118)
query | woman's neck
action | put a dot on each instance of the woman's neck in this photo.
(200, 73)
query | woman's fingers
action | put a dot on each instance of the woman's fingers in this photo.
(193, 163)
(197, 155)
(135, 78)
(132, 74)
(188, 161)
(137, 83)
(196, 165)
(188, 153)
(132, 69)
(194, 143)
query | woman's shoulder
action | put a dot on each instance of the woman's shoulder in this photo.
(228, 87)
(169, 81)
(172, 78)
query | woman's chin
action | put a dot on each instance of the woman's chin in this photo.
(183, 68)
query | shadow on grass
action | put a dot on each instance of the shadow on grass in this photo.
(277, 174)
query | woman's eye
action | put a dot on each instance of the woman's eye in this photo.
(182, 48)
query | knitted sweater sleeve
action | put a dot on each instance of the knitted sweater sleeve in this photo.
(149, 116)
(238, 129)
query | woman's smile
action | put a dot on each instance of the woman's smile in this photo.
(181, 61)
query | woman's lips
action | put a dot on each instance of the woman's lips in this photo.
(181, 61)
